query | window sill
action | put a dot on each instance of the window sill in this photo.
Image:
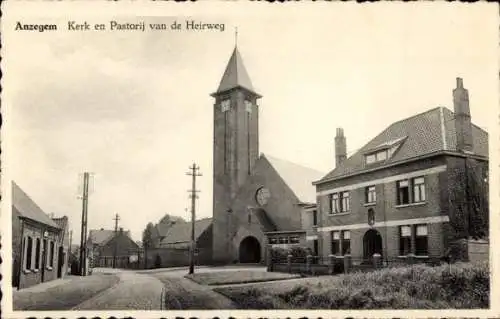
(369, 204)
(26, 271)
(338, 214)
(34, 270)
(411, 204)
(48, 268)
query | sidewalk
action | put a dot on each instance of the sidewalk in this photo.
(43, 286)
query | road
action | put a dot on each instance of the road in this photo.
(158, 289)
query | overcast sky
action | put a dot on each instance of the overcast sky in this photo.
(134, 108)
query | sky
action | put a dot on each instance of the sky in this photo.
(134, 108)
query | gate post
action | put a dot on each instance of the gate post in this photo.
(289, 263)
(347, 263)
(308, 264)
(331, 264)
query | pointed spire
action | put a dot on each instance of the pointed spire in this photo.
(235, 75)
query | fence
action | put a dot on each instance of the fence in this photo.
(316, 265)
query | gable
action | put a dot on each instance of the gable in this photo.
(282, 212)
(181, 232)
(297, 177)
(27, 208)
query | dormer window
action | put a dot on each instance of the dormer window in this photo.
(376, 157)
(383, 151)
(225, 105)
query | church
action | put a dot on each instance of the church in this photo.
(258, 200)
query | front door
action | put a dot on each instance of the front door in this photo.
(60, 262)
(372, 244)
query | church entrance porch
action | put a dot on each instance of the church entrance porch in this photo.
(249, 250)
(372, 244)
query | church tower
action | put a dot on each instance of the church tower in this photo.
(235, 147)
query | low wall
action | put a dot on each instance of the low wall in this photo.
(176, 257)
(478, 250)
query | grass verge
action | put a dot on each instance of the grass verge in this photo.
(237, 277)
(463, 285)
(64, 296)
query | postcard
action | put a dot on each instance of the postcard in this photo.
(249, 159)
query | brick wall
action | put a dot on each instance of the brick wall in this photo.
(386, 208)
(479, 250)
(33, 275)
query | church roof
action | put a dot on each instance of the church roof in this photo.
(297, 177)
(27, 208)
(180, 232)
(422, 134)
(235, 75)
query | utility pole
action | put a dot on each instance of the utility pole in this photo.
(116, 219)
(70, 240)
(194, 172)
(83, 239)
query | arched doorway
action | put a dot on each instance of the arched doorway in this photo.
(250, 250)
(372, 244)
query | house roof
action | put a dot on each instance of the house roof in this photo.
(235, 74)
(422, 134)
(297, 177)
(162, 228)
(27, 208)
(180, 232)
(62, 222)
(102, 236)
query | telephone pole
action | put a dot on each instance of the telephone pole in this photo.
(194, 172)
(83, 238)
(116, 219)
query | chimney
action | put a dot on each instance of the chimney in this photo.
(463, 126)
(340, 147)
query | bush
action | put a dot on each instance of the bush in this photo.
(279, 254)
(460, 285)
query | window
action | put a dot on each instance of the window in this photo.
(376, 157)
(339, 203)
(404, 240)
(403, 192)
(335, 204)
(419, 190)
(370, 195)
(420, 237)
(345, 202)
(37, 254)
(225, 105)
(417, 195)
(421, 240)
(51, 259)
(346, 242)
(29, 253)
(273, 240)
(335, 242)
(248, 106)
(315, 217)
(294, 240)
(370, 159)
(283, 240)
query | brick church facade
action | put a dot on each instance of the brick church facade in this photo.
(258, 200)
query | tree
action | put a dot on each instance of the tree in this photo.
(169, 219)
(147, 241)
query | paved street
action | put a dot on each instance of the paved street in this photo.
(112, 289)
